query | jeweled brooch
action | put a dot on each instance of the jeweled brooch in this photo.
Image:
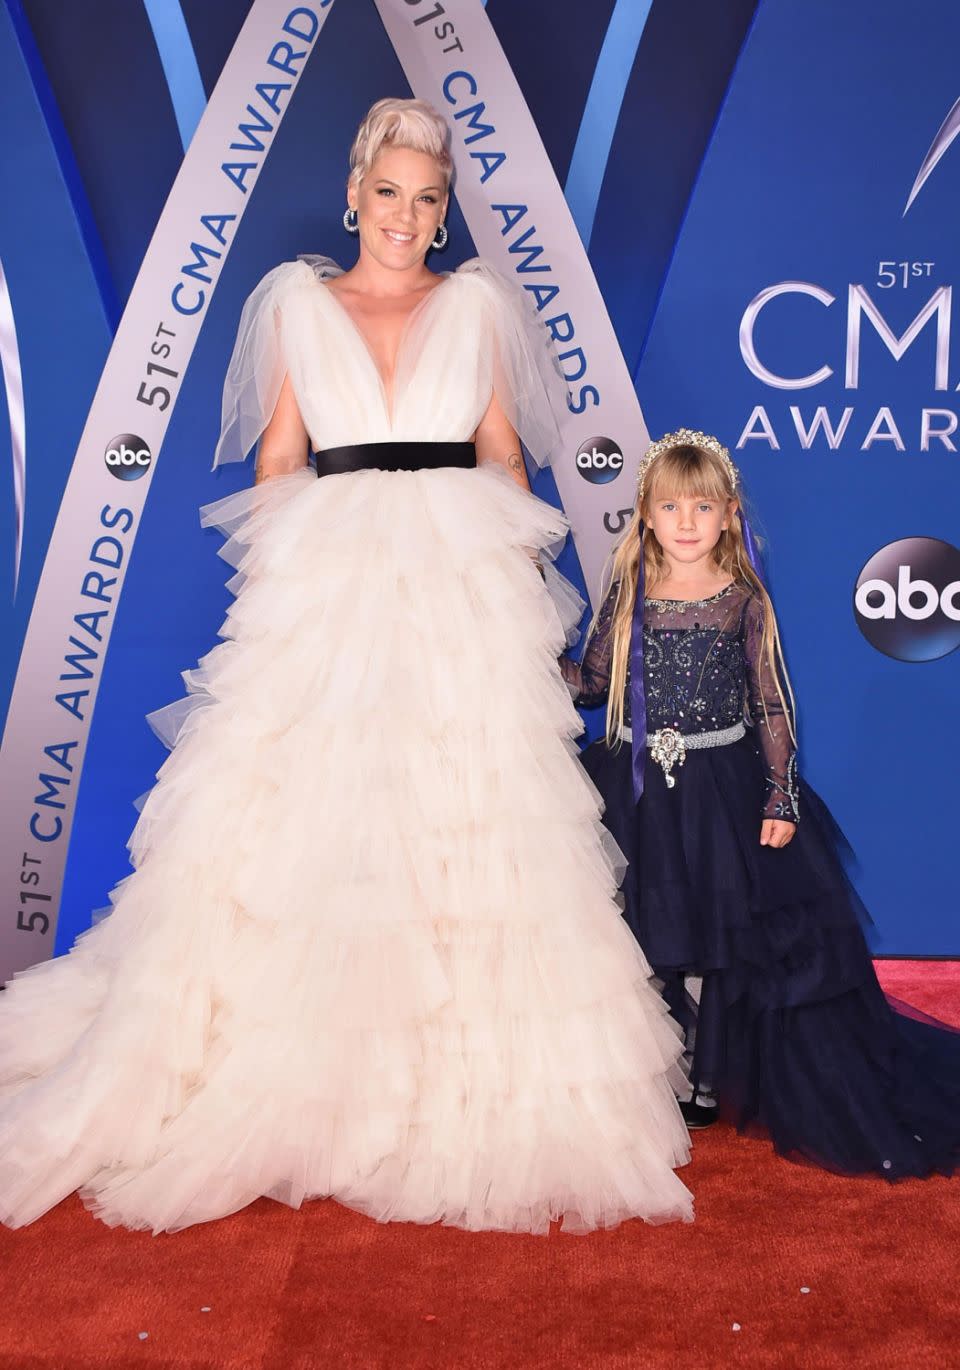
(668, 749)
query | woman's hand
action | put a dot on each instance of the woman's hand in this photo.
(776, 832)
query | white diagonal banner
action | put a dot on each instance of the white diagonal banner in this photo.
(44, 742)
(516, 212)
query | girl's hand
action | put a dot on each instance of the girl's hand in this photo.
(776, 832)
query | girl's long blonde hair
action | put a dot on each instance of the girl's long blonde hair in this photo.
(677, 472)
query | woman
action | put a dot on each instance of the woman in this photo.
(370, 947)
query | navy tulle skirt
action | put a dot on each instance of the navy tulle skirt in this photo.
(792, 1029)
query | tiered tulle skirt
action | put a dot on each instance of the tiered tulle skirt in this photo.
(370, 947)
(792, 1028)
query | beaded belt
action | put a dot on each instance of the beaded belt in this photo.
(669, 748)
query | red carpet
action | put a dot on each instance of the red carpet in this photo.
(327, 1289)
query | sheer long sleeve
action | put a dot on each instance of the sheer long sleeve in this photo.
(589, 682)
(771, 724)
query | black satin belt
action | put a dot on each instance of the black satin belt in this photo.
(395, 456)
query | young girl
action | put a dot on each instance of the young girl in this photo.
(734, 889)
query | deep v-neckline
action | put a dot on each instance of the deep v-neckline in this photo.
(388, 396)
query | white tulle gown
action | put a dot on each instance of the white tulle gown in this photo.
(370, 947)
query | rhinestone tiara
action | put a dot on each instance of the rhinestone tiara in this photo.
(686, 437)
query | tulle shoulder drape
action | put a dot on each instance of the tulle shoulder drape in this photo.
(258, 364)
(527, 378)
(476, 334)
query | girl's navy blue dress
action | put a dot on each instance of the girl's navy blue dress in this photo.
(792, 1029)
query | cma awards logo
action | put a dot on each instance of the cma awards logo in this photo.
(935, 424)
(907, 599)
(838, 426)
(127, 457)
(599, 460)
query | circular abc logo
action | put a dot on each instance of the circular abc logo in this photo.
(599, 460)
(128, 457)
(907, 600)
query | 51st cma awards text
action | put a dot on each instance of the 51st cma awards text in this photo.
(789, 319)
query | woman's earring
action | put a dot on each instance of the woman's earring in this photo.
(440, 241)
(350, 221)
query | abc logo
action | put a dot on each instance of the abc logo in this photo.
(907, 600)
(128, 457)
(599, 460)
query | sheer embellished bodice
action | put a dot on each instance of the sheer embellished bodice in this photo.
(705, 671)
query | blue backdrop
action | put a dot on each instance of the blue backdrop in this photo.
(709, 153)
(806, 178)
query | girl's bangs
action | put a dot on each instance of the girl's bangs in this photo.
(685, 472)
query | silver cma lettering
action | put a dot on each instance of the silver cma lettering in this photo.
(859, 306)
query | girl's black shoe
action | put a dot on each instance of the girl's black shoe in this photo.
(698, 1116)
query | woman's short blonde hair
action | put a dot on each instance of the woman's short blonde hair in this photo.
(409, 124)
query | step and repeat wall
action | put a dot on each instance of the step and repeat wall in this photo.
(737, 217)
